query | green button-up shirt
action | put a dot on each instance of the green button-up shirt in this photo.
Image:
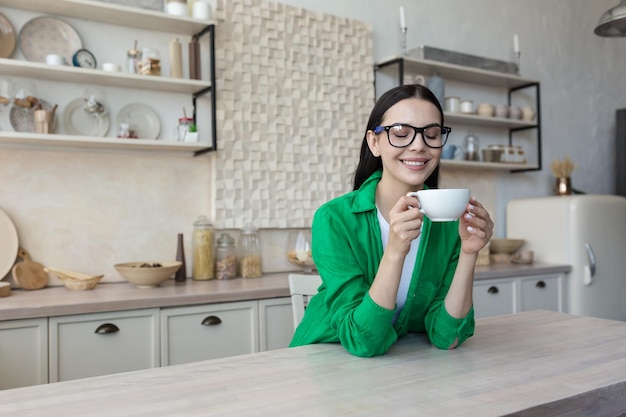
(347, 249)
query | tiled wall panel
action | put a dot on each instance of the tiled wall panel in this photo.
(294, 90)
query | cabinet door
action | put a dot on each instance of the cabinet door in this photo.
(493, 298)
(541, 293)
(23, 353)
(190, 334)
(275, 323)
(103, 343)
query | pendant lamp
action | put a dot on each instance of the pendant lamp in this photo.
(612, 24)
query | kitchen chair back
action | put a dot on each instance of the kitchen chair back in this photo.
(302, 287)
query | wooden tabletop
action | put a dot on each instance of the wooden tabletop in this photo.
(529, 364)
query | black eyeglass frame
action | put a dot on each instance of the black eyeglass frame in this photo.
(445, 132)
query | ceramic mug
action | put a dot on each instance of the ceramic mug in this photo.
(449, 151)
(442, 205)
(55, 59)
(528, 114)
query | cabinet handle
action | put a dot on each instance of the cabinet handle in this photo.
(493, 290)
(211, 321)
(107, 328)
(540, 284)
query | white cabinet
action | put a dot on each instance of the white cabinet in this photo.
(494, 298)
(103, 343)
(514, 295)
(23, 353)
(190, 334)
(275, 323)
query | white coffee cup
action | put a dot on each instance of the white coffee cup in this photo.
(55, 59)
(442, 205)
(111, 67)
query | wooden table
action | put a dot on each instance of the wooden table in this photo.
(530, 364)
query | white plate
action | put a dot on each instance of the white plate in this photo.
(142, 118)
(78, 122)
(8, 244)
(48, 35)
(22, 120)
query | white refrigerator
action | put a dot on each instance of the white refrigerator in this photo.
(587, 232)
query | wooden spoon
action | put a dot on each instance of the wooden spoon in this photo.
(27, 274)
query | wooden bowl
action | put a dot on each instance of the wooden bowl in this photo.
(147, 274)
(505, 246)
(75, 280)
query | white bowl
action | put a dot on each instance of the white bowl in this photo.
(147, 274)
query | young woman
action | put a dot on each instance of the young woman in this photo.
(387, 269)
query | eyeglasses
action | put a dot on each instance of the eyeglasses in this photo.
(399, 134)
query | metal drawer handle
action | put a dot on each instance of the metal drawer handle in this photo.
(540, 284)
(493, 290)
(107, 328)
(211, 321)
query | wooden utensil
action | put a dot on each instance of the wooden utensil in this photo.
(27, 274)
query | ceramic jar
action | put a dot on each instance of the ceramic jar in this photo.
(485, 110)
(453, 104)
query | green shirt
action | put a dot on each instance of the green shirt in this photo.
(347, 249)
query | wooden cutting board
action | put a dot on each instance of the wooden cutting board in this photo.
(27, 274)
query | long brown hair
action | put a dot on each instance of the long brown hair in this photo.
(368, 163)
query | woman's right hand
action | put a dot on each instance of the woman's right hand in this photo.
(405, 223)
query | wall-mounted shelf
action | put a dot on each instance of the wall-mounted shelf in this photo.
(133, 17)
(510, 82)
(17, 68)
(113, 14)
(88, 142)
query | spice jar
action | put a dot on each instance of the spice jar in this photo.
(202, 248)
(184, 123)
(150, 62)
(133, 60)
(250, 263)
(226, 257)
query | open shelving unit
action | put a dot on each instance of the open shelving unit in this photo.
(120, 16)
(510, 82)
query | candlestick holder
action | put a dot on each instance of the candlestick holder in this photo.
(518, 61)
(403, 30)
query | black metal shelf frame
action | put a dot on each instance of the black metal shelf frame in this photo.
(210, 29)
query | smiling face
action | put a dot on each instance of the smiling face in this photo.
(406, 169)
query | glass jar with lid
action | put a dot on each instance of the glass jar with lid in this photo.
(226, 257)
(471, 146)
(250, 261)
(202, 248)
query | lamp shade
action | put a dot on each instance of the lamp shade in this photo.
(612, 24)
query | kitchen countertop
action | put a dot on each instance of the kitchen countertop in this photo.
(537, 363)
(58, 301)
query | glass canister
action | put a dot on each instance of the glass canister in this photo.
(471, 147)
(250, 261)
(226, 257)
(202, 248)
(133, 60)
(150, 62)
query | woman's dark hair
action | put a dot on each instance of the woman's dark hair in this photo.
(368, 163)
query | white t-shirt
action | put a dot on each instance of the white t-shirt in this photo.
(407, 268)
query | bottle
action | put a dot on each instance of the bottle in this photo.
(202, 247)
(133, 60)
(226, 257)
(176, 59)
(181, 274)
(194, 59)
(250, 261)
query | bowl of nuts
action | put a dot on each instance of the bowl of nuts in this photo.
(147, 274)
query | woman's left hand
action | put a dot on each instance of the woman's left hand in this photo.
(475, 227)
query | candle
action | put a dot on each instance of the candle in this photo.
(402, 22)
(515, 44)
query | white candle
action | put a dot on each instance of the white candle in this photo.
(515, 44)
(402, 22)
